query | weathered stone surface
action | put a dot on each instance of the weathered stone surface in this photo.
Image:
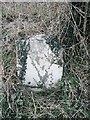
(41, 64)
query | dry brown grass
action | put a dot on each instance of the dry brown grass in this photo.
(69, 99)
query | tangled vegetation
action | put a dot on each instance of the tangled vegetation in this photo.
(69, 23)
